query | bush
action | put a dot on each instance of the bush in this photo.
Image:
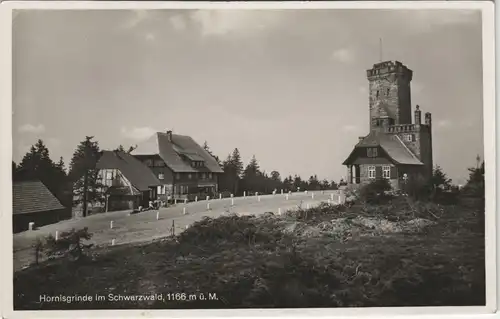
(69, 244)
(376, 192)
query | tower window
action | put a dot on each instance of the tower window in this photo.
(378, 93)
(388, 91)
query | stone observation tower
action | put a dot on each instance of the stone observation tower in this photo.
(395, 148)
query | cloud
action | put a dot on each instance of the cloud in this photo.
(30, 128)
(138, 16)
(178, 22)
(150, 36)
(343, 55)
(241, 22)
(138, 133)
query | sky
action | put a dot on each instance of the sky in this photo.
(288, 86)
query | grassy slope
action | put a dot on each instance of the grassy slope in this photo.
(250, 262)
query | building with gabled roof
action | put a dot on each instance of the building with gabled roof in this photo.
(128, 183)
(395, 148)
(183, 166)
(34, 202)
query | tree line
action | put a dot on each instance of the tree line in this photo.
(238, 178)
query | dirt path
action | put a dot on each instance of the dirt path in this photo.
(145, 227)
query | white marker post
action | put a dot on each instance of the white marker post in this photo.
(305, 191)
(331, 196)
(279, 211)
(286, 196)
(185, 201)
(57, 235)
(31, 225)
(184, 210)
(208, 197)
(244, 194)
(258, 198)
(208, 206)
(175, 201)
(232, 201)
(312, 195)
(157, 215)
(329, 202)
(112, 242)
(220, 196)
(187, 226)
(282, 191)
(307, 206)
(111, 224)
(196, 198)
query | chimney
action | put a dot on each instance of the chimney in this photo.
(169, 136)
(428, 120)
(418, 116)
(361, 138)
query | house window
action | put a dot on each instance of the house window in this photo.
(371, 152)
(190, 176)
(109, 175)
(408, 137)
(210, 175)
(371, 171)
(149, 162)
(177, 176)
(203, 176)
(386, 171)
(161, 176)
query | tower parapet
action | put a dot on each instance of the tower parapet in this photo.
(384, 68)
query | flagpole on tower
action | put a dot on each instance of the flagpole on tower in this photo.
(380, 48)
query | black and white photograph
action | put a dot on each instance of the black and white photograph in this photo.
(251, 157)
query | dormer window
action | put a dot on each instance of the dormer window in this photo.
(371, 152)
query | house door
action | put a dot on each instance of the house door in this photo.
(357, 174)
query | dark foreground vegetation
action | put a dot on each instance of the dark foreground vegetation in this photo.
(399, 252)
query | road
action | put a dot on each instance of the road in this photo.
(144, 226)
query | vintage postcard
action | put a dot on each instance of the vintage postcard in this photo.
(247, 159)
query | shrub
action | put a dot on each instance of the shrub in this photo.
(375, 192)
(69, 244)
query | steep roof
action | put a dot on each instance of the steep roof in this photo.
(174, 153)
(391, 144)
(33, 197)
(139, 175)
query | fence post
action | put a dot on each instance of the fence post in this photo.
(111, 225)
(196, 198)
(208, 197)
(184, 210)
(157, 215)
(220, 196)
(244, 194)
(57, 235)
(185, 200)
(232, 201)
(208, 206)
(312, 195)
(279, 211)
(112, 242)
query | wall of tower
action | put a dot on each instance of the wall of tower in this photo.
(389, 84)
(404, 100)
